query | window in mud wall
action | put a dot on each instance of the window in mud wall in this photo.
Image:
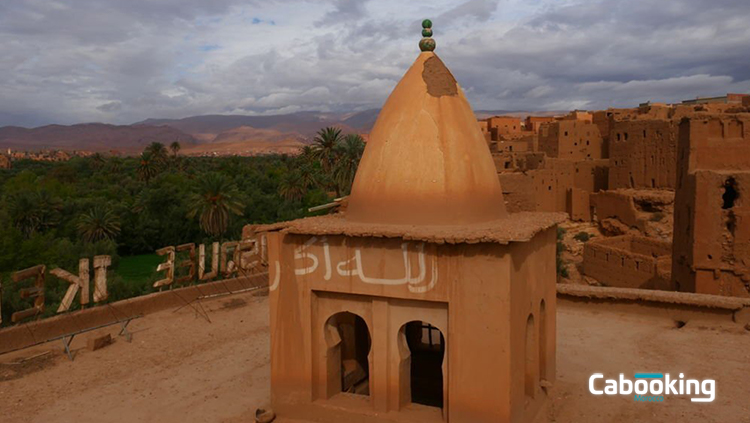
(426, 345)
(354, 366)
(730, 194)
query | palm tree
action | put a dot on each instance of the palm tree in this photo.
(34, 211)
(115, 164)
(148, 167)
(307, 153)
(292, 186)
(157, 151)
(24, 212)
(324, 147)
(98, 160)
(214, 200)
(349, 152)
(97, 224)
(49, 210)
(307, 174)
(175, 147)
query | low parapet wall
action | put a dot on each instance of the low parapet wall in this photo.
(681, 307)
(27, 334)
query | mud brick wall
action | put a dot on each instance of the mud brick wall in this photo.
(643, 154)
(571, 139)
(613, 262)
(712, 211)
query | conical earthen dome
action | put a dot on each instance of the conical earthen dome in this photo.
(427, 161)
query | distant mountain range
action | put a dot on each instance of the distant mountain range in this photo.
(205, 134)
(91, 137)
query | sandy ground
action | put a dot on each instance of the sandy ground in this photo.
(180, 368)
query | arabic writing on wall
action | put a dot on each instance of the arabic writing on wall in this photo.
(414, 277)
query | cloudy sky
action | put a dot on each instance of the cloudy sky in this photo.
(121, 61)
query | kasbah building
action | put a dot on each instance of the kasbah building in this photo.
(480, 271)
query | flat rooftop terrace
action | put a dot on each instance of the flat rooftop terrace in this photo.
(181, 368)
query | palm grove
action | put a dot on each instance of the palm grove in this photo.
(54, 213)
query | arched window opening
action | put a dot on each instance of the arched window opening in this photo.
(426, 345)
(353, 349)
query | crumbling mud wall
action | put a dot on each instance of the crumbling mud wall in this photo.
(712, 213)
(622, 210)
(518, 192)
(521, 145)
(579, 206)
(642, 154)
(533, 123)
(629, 262)
(571, 139)
(515, 161)
(504, 127)
(556, 186)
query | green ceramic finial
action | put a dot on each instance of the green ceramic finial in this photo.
(427, 43)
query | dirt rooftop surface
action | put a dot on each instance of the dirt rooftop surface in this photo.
(181, 368)
(520, 227)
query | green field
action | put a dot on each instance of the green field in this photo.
(134, 275)
(136, 269)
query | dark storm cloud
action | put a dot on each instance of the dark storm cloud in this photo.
(124, 61)
(611, 53)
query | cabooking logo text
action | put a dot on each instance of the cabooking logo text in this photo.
(653, 387)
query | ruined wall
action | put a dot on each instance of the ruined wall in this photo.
(549, 185)
(485, 128)
(503, 126)
(513, 146)
(712, 214)
(533, 123)
(523, 160)
(579, 206)
(615, 204)
(518, 192)
(580, 115)
(642, 154)
(650, 247)
(591, 175)
(655, 111)
(553, 183)
(571, 139)
(628, 262)
(649, 211)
